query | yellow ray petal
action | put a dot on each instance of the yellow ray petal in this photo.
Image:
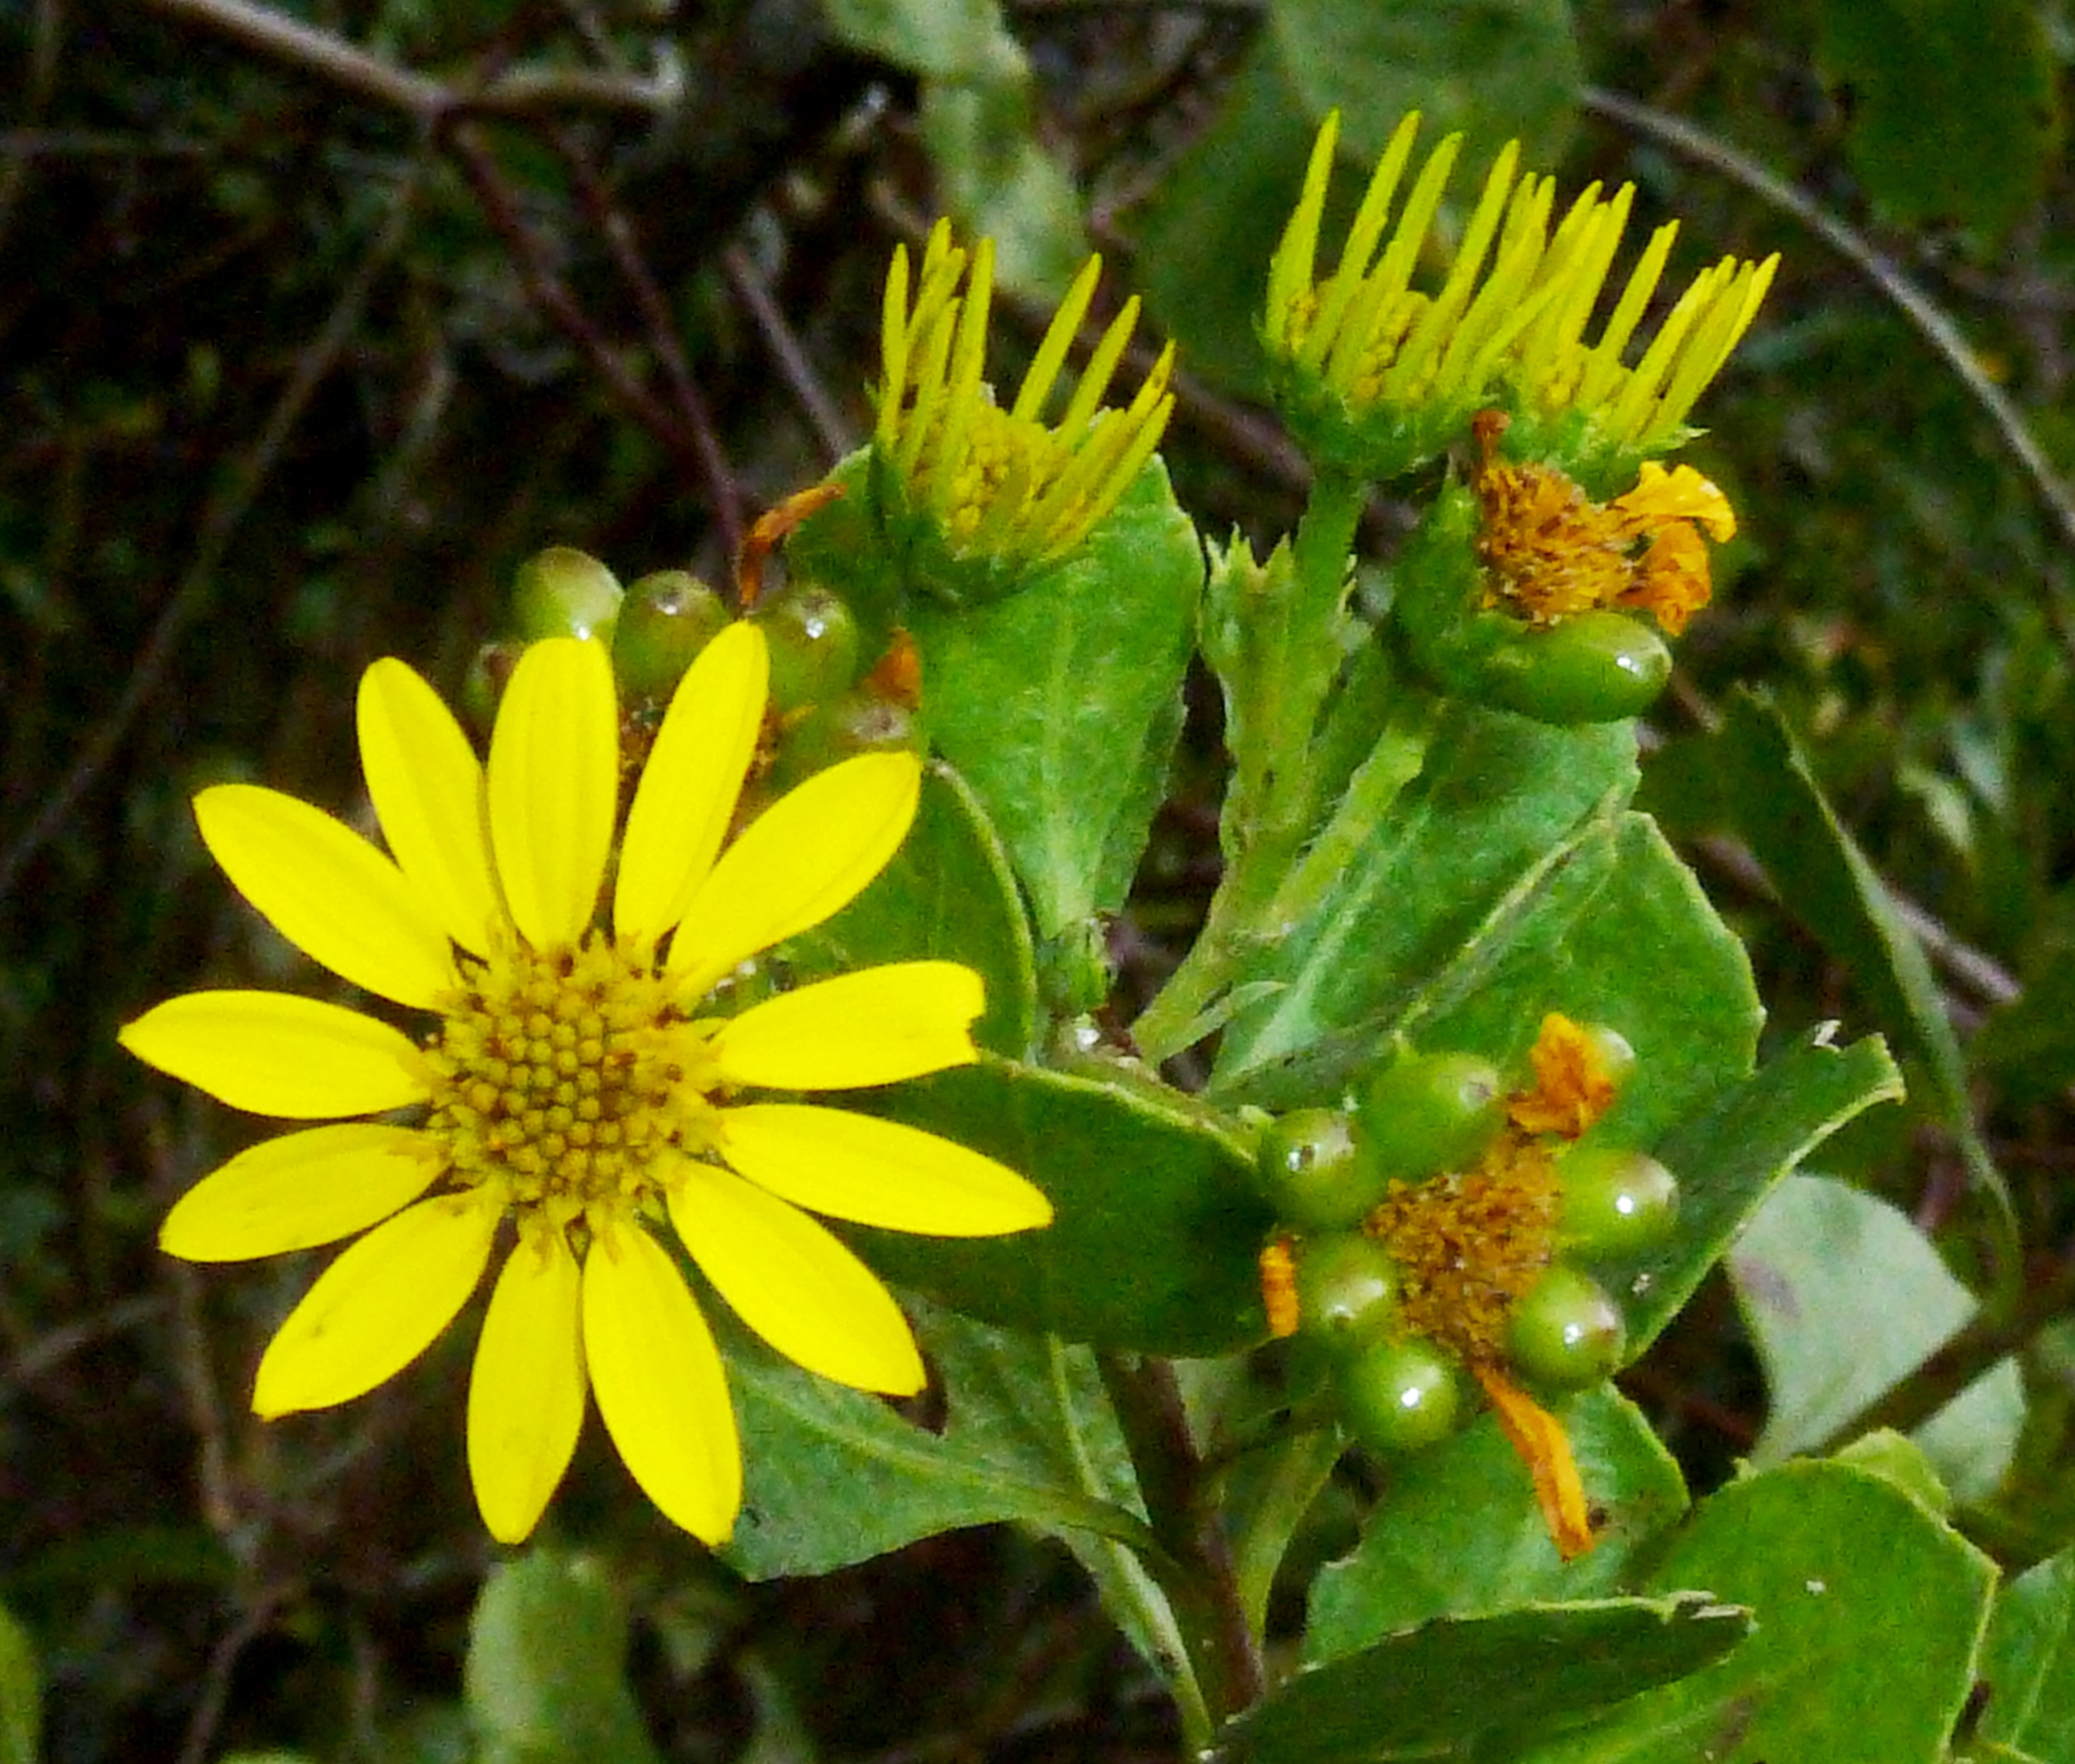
(876, 1026)
(554, 787)
(660, 1384)
(878, 1173)
(689, 783)
(275, 1054)
(377, 1307)
(805, 858)
(526, 1395)
(426, 784)
(298, 1191)
(328, 892)
(793, 1283)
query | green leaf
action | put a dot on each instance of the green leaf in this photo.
(1207, 233)
(1493, 68)
(1000, 182)
(1826, 883)
(835, 1477)
(1953, 105)
(940, 39)
(21, 1694)
(1869, 1612)
(1060, 704)
(1845, 1298)
(2029, 1663)
(1457, 1532)
(1434, 1690)
(1509, 818)
(545, 1676)
(948, 893)
(1157, 1225)
(1728, 1158)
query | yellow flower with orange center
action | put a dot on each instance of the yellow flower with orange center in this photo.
(580, 1105)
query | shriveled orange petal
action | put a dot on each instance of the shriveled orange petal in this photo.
(377, 1307)
(554, 787)
(328, 892)
(276, 1054)
(300, 1190)
(689, 783)
(526, 1395)
(1538, 1437)
(876, 1026)
(805, 858)
(878, 1173)
(793, 1283)
(426, 785)
(660, 1384)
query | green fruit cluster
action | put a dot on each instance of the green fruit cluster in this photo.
(656, 627)
(1436, 1116)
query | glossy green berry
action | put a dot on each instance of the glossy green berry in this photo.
(666, 620)
(813, 641)
(1615, 1201)
(1400, 1393)
(1597, 667)
(1611, 1050)
(1347, 1288)
(842, 728)
(1313, 1174)
(1565, 1332)
(1428, 1113)
(562, 592)
(482, 689)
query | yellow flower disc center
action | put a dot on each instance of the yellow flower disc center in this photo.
(564, 1077)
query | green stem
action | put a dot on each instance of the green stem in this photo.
(1279, 686)
(1194, 1565)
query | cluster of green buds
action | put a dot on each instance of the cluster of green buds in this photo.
(826, 704)
(1440, 1234)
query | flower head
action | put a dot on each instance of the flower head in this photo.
(579, 1097)
(1001, 486)
(1549, 552)
(1378, 375)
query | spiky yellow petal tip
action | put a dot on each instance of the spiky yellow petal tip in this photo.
(996, 484)
(1380, 376)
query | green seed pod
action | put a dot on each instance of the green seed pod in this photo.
(1617, 1057)
(1566, 1333)
(666, 620)
(1615, 1201)
(562, 592)
(483, 688)
(1400, 1393)
(1312, 1172)
(1347, 1289)
(1426, 1114)
(1598, 667)
(813, 643)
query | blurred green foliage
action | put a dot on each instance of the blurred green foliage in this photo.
(303, 356)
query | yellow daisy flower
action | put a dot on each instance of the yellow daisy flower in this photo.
(575, 1103)
(1002, 485)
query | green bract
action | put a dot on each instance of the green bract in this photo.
(1313, 1175)
(813, 641)
(1400, 1393)
(665, 621)
(1566, 1332)
(562, 592)
(1595, 667)
(1347, 1288)
(1615, 1202)
(1427, 1113)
